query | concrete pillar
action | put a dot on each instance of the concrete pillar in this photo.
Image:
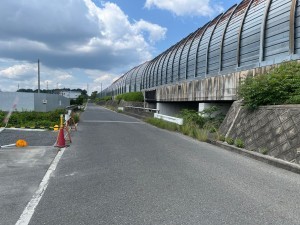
(223, 107)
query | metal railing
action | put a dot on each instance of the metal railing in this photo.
(144, 109)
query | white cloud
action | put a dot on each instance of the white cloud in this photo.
(186, 7)
(17, 71)
(156, 32)
(84, 36)
(70, 35)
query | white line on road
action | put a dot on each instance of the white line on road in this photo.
(30, 208)
(107, 121)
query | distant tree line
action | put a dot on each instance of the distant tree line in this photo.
(53, 91)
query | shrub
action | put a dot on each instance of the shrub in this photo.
(239, 143)
(263, 151)
(279, 86)
(76, 117)
(131, 97)
(220, 137)
(192, 117)
(32, 119)
(229, 140)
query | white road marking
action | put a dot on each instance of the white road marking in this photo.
(107, 121)
(30, 208)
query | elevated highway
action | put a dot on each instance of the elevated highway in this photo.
(207, 66)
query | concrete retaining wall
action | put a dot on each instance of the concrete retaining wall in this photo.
(272, 128)
(217, 88)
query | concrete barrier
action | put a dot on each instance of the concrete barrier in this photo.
(171, 119)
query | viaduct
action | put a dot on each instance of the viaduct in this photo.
(207, 66)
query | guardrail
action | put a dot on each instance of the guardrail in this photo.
(142, 108)
(171, 119)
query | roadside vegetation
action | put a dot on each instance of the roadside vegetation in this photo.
(280, 86)
(131, 97)
(201, 126)
(128, 97)
(34, 119)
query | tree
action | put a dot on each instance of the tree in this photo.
(94, 95)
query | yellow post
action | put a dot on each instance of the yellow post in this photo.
(62, 121)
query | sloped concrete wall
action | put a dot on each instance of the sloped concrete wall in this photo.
(275, 128)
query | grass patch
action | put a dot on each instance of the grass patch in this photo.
(162, 124)
(33, 119)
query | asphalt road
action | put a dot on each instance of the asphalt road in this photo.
(21, 171)
(121, 171)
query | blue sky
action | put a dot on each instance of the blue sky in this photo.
(92, 42)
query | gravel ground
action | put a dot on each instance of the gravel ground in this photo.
(33, 138)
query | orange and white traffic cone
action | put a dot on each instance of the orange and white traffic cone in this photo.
(61, 142)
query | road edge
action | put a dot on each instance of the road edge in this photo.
(33, 203)
(260, 157)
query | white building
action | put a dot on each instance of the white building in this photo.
(23, 101)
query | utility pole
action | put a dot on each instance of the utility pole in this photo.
(101, 90)
(39, 76)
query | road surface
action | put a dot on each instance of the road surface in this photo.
(120, 170)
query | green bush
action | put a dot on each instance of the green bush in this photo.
(279, 86)
(220, 137)
(239, 143)
(263, 151)
(76, 117)
(192, 117)
(229, 140)
(131, 97)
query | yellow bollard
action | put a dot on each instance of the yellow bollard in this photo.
(61, 121)
(55, 128)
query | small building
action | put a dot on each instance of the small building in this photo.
(39, 102)
(70, 94)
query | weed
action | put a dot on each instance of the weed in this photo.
(229, 140)
(239, 143)
(202, 135)
(220, 137)
(263, 151)
(162, 124)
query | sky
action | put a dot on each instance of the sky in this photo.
(88, 44)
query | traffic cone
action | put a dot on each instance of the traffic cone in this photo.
(61, 142)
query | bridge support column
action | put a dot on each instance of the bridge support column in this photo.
(223, 107)
(174, 108)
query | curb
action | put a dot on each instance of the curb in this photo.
(263, 158)
(20, 127)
